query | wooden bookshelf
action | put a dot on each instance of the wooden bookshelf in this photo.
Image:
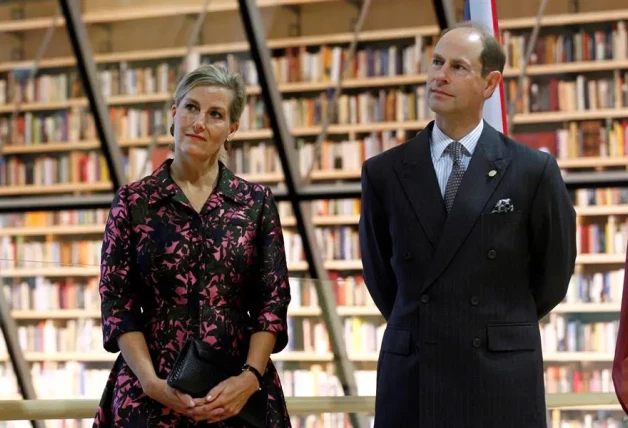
(141, 13)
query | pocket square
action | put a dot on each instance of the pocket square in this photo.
(503, 206)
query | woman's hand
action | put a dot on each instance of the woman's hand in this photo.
(226, 399)
(160, 391)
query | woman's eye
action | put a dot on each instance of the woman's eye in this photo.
(190, 107)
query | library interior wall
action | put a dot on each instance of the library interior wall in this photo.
(317, 18)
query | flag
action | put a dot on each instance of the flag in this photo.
(620, 360)
(485, 12)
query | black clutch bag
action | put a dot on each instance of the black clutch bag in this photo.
(199, 368)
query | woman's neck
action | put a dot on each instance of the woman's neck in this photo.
(200, 174)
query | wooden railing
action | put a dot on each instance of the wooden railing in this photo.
(84, 408)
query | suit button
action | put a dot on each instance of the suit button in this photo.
(492, 254)
(425, 298)
(475, 300)
(407, 255)
(476, 342)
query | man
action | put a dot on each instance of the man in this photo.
(464, 248)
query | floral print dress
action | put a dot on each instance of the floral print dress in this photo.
(163, 263)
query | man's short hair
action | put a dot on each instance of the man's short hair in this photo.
(492, 56)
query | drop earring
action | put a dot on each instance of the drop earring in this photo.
(172, 129)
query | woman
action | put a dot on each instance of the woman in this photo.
(191, 243)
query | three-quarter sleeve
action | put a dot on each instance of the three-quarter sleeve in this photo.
(270, 304)
(120, 310)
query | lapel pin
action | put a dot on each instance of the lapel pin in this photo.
(492, 173)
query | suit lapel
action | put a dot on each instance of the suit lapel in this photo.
(416, 174)
(473, 194)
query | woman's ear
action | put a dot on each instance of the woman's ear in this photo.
(233, 129)
(173, 109)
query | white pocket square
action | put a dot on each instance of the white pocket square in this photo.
(503, 206)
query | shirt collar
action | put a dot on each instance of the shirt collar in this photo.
(164, 187)
(440, 141)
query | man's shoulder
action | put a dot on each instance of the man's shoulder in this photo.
(524, 154)
(388, 157)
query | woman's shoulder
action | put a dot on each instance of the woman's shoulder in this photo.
(152, 185)
(245, 188)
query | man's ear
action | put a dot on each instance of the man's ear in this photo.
(492, 82)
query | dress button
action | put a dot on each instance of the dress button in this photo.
(475, 300)
(492, 254)
(476, 342)
(407, 255)
(425, 298)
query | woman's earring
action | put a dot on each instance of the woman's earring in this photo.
(172, 129)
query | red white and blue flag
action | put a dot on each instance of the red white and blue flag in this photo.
(485, 12)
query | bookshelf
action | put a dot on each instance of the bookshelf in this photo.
(67, 300)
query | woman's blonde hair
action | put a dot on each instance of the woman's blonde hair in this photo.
(213, 75)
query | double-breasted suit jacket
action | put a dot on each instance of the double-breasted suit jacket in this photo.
(462, 293)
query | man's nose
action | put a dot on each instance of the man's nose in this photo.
(442, 74)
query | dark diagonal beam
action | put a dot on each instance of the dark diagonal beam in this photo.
(81, 46)
(286, 148)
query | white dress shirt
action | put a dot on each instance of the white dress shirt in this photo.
(443, 163)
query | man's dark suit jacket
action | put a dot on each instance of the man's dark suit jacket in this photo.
(462, 293)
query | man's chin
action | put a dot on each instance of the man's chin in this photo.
(439, 108)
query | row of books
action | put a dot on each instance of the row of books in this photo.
(606, 237)
(601, 196)
(45, 294)
(360, 336)
(36, 219)
(608, 41)
(73, 124)
(75, 167)
(82, 335)
(565, 333)
(561, 379)
(596, 287)
(323, 63)
(19, 253)
(581, 93)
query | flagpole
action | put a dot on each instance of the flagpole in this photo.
(485, 13)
